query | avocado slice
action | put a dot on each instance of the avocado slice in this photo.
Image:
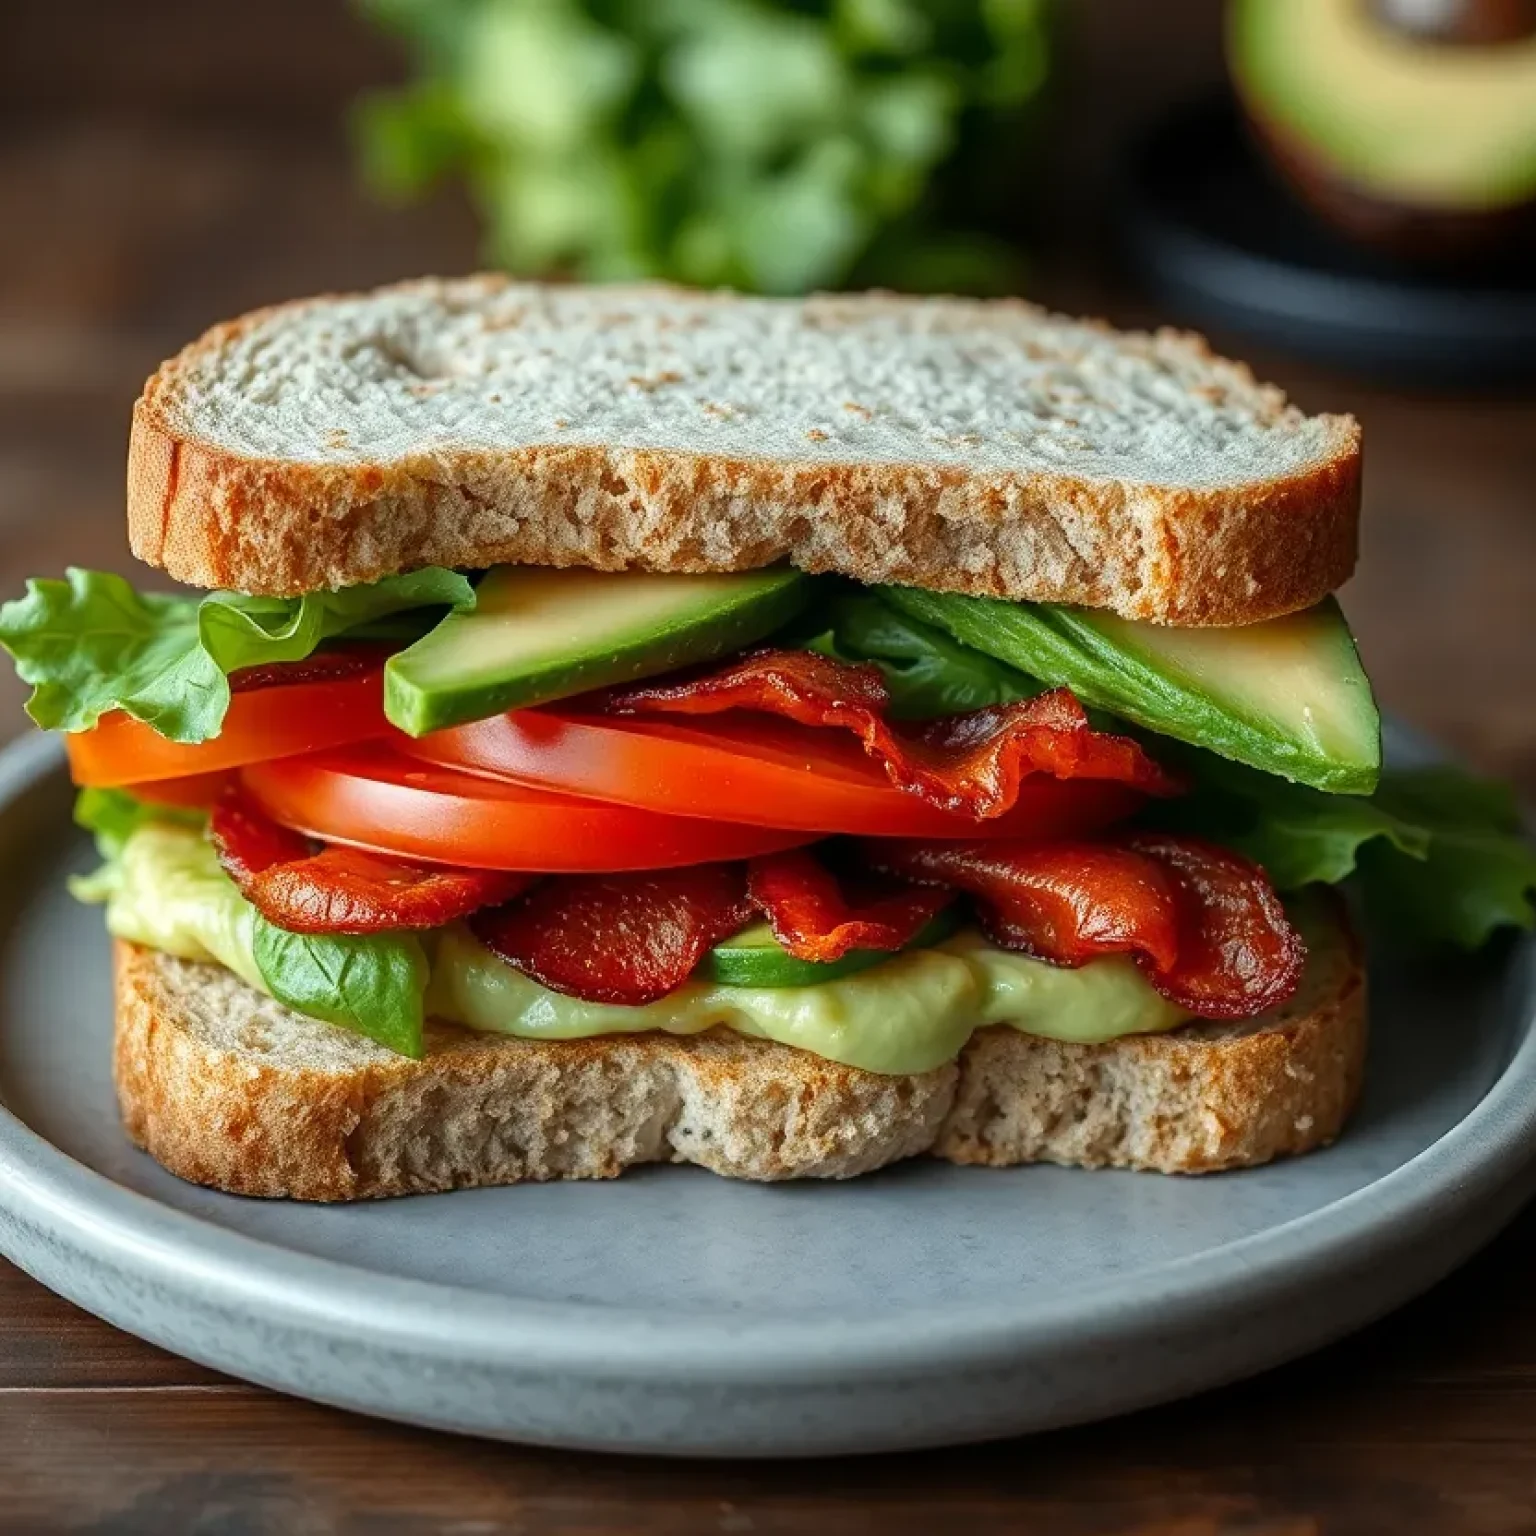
(1288, 695)
(1402, 119)
(537, 634)
(754, 958)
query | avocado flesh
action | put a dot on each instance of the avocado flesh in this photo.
(1288, 696)
(754, 958)
(536, 635)
(1425, 125)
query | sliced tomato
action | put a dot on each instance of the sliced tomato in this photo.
(750, 769)
(200, 790)
(374, 797)
(972, 762)
(264, 721)
(306, 889)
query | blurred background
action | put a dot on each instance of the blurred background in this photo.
(1358, 228)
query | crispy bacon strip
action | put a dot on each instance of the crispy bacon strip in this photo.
(305, 888)
(809, 909)
(1238, 955)
(333, 665)
(1203, 924)
(633, 938)
(1062, 902)
(628, 938)
(248, 841)
(970, 763)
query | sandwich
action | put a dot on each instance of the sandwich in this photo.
(788, 736)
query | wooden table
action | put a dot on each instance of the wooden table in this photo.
(186, 164)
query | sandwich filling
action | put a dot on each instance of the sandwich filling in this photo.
(909, 1012)
(861, 821)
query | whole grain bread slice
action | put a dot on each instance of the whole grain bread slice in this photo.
(971, 446)
(228, 1088)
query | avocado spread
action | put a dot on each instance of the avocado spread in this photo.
(915, 1011)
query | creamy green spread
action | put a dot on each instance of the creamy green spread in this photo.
(911, 1013)
(165, 890)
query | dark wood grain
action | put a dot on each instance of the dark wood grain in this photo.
(165, 164)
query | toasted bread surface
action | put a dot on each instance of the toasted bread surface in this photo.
(981, 447)
(226, 1087)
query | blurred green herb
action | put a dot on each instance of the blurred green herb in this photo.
(763, 144)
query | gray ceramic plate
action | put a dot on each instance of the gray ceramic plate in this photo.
(673, 1311)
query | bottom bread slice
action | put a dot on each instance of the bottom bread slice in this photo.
(228, 1088)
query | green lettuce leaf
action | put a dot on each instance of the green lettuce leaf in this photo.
(1193, 690)
(371, 985)
(90, 643)
(1440, 854)
(927, 672)
(113, 815)
(1479, 871)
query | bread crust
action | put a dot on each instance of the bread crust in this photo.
(217, 1083)
(1186, 555)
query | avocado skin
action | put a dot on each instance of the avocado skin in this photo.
(763, 966)
(418, 707)
(1429, 238)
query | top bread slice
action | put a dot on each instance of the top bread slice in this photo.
(959, 445)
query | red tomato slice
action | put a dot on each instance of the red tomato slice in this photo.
(264, 722)
(373, 797)
(758, 770)
(199, 791)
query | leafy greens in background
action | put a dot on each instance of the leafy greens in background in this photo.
(1439, 852)
(769, 145)
(90, 643)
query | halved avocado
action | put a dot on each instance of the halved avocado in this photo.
(1352, 99)
(1288, 696)
(535, 635)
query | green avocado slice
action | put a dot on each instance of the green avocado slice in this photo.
(1288, 696)
(536, 635)
(754, 958)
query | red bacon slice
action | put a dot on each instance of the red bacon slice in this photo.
(305, 888)
(629, 938)
(809, 910)
(1238, 955)
(1203, 924)
(970, 763)
(249, 842)
(329, 666)
(1062, 902)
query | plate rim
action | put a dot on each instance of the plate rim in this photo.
(1480, 1158)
